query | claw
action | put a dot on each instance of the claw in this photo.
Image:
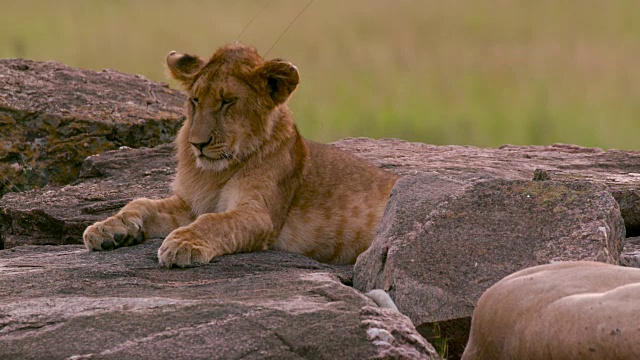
(107, 244)
(118, 238)
(139, 238)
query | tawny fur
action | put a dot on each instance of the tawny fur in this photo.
(564, 310)
(246, 180)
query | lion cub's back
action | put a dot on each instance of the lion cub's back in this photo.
(335, 214)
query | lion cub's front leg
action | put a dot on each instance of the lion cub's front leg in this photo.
(186, 246)
(138, 220)
(216, 234)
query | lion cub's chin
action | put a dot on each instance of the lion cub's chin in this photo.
(219, 165)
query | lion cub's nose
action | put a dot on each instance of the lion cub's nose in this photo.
(200, 145)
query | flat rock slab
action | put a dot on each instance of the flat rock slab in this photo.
(59, 215)
(65, 302)
(618, 170)
(52, 116)
(442, 241)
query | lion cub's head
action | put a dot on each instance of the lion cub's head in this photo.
(234, 102)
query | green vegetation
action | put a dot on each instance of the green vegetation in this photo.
(477, 72)
(439, 342)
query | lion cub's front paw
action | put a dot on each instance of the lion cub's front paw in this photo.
(183, 248)
(112, 233)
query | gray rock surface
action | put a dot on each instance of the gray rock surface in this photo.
(53, 116)
(461, 219)
(443, 241)
(618, 170)
(631, 252)
(65, 302)
(59, 215)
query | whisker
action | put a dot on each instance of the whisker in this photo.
(230, 154)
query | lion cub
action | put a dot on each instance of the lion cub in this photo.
(246, 180)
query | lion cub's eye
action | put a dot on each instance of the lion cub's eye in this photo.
(195, 100)
(227, 101)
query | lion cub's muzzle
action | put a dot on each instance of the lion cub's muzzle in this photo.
(212, 150)
(199, 146)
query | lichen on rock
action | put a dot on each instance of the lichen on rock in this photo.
(53, 116)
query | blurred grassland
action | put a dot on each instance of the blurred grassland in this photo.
(475, 72)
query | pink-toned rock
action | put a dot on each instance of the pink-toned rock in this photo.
(53, 116)
(444, 240)
(618, 170)
(108, 181)
(460, 219)
(64, 302)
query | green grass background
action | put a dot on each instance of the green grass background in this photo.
(474, 72)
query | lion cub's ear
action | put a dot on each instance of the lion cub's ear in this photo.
(183, 67)
(280, 78)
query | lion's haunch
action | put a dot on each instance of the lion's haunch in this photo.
(567, 310)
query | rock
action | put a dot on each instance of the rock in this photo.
(444, 240)
(618, 170)
(59, 215)
(574, 310)
(53, 116)
(460, 219)
(631, 252)
(65, 302)
(382, 299)
(24, 216)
